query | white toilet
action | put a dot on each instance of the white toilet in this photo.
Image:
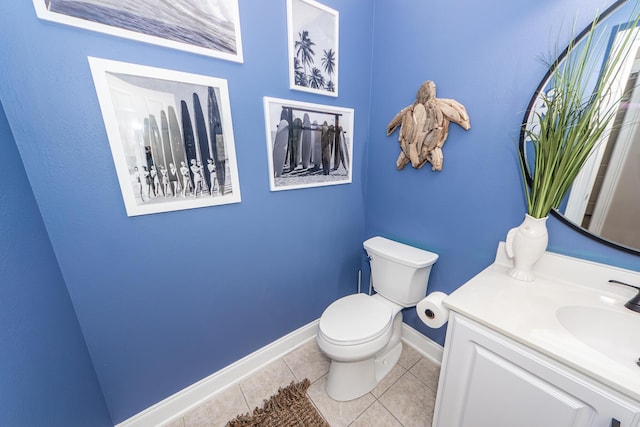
(361, 334)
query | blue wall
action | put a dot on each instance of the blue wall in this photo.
(165, 300)
(47, 376)
(485, 55)
(159, 306)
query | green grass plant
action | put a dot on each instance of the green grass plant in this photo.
(576, 118)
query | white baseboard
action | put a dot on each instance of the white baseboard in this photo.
(183, 401)
(178, 404)
(422, 344)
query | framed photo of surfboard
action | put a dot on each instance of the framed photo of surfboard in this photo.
(206, 27)
(313, 30)
(308, 145)
(170, 135)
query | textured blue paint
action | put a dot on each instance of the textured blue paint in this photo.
(46, 376)
(485, 56)
(164, 300)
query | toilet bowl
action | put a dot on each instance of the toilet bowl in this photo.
(361, 334)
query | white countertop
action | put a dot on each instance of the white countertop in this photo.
(526, 311)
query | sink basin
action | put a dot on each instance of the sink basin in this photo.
(612, 333)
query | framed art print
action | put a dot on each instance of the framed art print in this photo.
(207, 27)
(313, 31)
(308, 145)
(170, 135)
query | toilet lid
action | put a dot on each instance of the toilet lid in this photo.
(355, 318)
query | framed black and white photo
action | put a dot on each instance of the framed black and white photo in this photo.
(308, 145)
(313, 47)
(170, 134)
(207, 27)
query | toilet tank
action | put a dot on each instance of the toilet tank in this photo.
(399, 272)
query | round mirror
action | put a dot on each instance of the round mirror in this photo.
(604, 200)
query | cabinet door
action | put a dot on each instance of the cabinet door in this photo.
(490, 380)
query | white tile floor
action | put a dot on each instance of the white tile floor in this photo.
(406, 397)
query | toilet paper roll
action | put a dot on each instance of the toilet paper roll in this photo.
(432, 311)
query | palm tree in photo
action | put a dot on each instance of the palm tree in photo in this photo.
(304, 49)
(329, 65)
(330, 86)
(316, 79)
(300, 78)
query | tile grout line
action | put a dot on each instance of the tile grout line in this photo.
(295, 377)
(315, 405)
(377, 398)
(364, 410)
(246, 402)
(407, 370)
(391, 413)
(314, 402)
(306, 392)
(387, 390)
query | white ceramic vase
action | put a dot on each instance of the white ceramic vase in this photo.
(525, 245)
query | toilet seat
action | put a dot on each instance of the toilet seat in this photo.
(355, 319)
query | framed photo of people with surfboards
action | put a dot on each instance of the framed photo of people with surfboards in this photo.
(308, 145)
(313, 30)
(206, 27)
(170, 134)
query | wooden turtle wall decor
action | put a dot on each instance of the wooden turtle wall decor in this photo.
(424, 127)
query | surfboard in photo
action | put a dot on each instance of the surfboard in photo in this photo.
(188, 137)
(156, 141)
(166, 139)
(316, 146)
(344, 151)
(146, 132)
(203, 140)
(177, 145)
(280, 147)
(295, 155)
(217, 138)
(306, 141)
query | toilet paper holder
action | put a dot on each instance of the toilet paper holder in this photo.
(431, 310)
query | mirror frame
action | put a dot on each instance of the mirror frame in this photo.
(522, 142)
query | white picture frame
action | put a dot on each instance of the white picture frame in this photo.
(313, 37)
(207, 27)
(303, 153)
(173, 123)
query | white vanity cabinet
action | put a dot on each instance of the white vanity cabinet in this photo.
(491, 380)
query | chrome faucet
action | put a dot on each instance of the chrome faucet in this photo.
(633, 303)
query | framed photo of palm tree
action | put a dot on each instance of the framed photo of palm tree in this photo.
(313, 47)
